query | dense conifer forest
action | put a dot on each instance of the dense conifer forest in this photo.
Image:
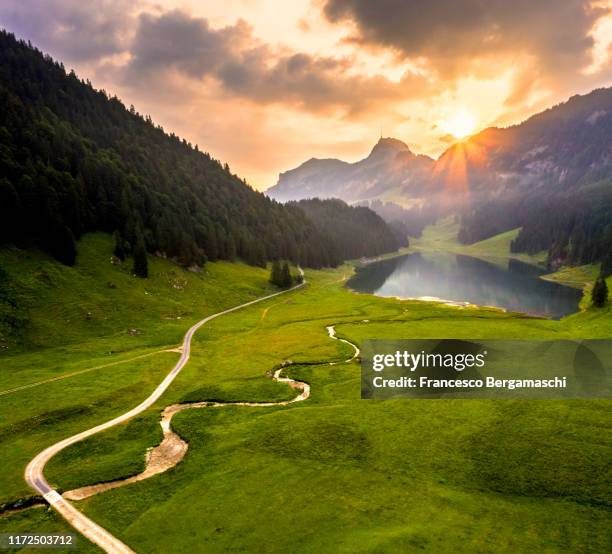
(73, 160)
(356, 230)
(573, 228)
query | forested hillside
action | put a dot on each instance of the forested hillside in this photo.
(412, 221)
(73, 160)
(550, 175)
(573, 228)
(355, 231)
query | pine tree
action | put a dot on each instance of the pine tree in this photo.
(258, 254)
(285, 275)
(61, 244)
(185, 251)
(119, 251)
(211, 246)
(141, 266)
(231, 248)
(599, 294)
(221, 243)
(275, 273)
(10, 209)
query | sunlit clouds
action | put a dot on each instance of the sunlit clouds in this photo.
(265, 84)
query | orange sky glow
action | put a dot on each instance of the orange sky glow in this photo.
(267, 84)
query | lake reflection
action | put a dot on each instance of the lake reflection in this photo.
(515, 286)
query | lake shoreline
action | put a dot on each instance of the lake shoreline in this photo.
(441, 276)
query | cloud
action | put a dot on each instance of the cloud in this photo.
(71, 29)
(174, 42)
(547, 39)
(158, 48)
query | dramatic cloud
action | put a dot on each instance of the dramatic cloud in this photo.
(71, 29)
(244, 66)
(175, 40)
(547, 39)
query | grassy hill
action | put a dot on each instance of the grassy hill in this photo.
(334, 470)
(442, 236)
(96, 298)
(98, 317)
(576, 276)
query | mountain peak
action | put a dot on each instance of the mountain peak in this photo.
(388, 146)
(390, 142)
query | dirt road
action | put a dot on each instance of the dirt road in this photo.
(34, 473)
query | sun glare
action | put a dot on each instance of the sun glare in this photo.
(460, 125)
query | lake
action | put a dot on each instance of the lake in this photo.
(515, 286)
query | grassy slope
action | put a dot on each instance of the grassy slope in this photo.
(98, 300)
(360, 475)
(76, 321)
(443, 236)
(577, 276)
(339, 474)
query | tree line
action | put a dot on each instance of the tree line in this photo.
(573, 228)
(73, 159)
(355, 231)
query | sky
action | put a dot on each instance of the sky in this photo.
(267, 84)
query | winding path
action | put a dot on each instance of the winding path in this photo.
(81, 371)
(34, 472)
(172, 449)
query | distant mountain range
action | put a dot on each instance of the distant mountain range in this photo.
(550, 175)
(563, 147)
(390, 166)
(560, 149)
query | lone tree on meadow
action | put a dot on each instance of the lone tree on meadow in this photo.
(275, 273)
(280, 275)
(141, 265)
(285, 275)
(599, 294)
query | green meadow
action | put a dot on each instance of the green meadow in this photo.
(331, 474)
(92, 339)
(442, 235)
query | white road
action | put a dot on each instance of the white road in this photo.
(172, 449)
(34, 473)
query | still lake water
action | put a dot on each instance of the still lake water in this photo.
(515, 286)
